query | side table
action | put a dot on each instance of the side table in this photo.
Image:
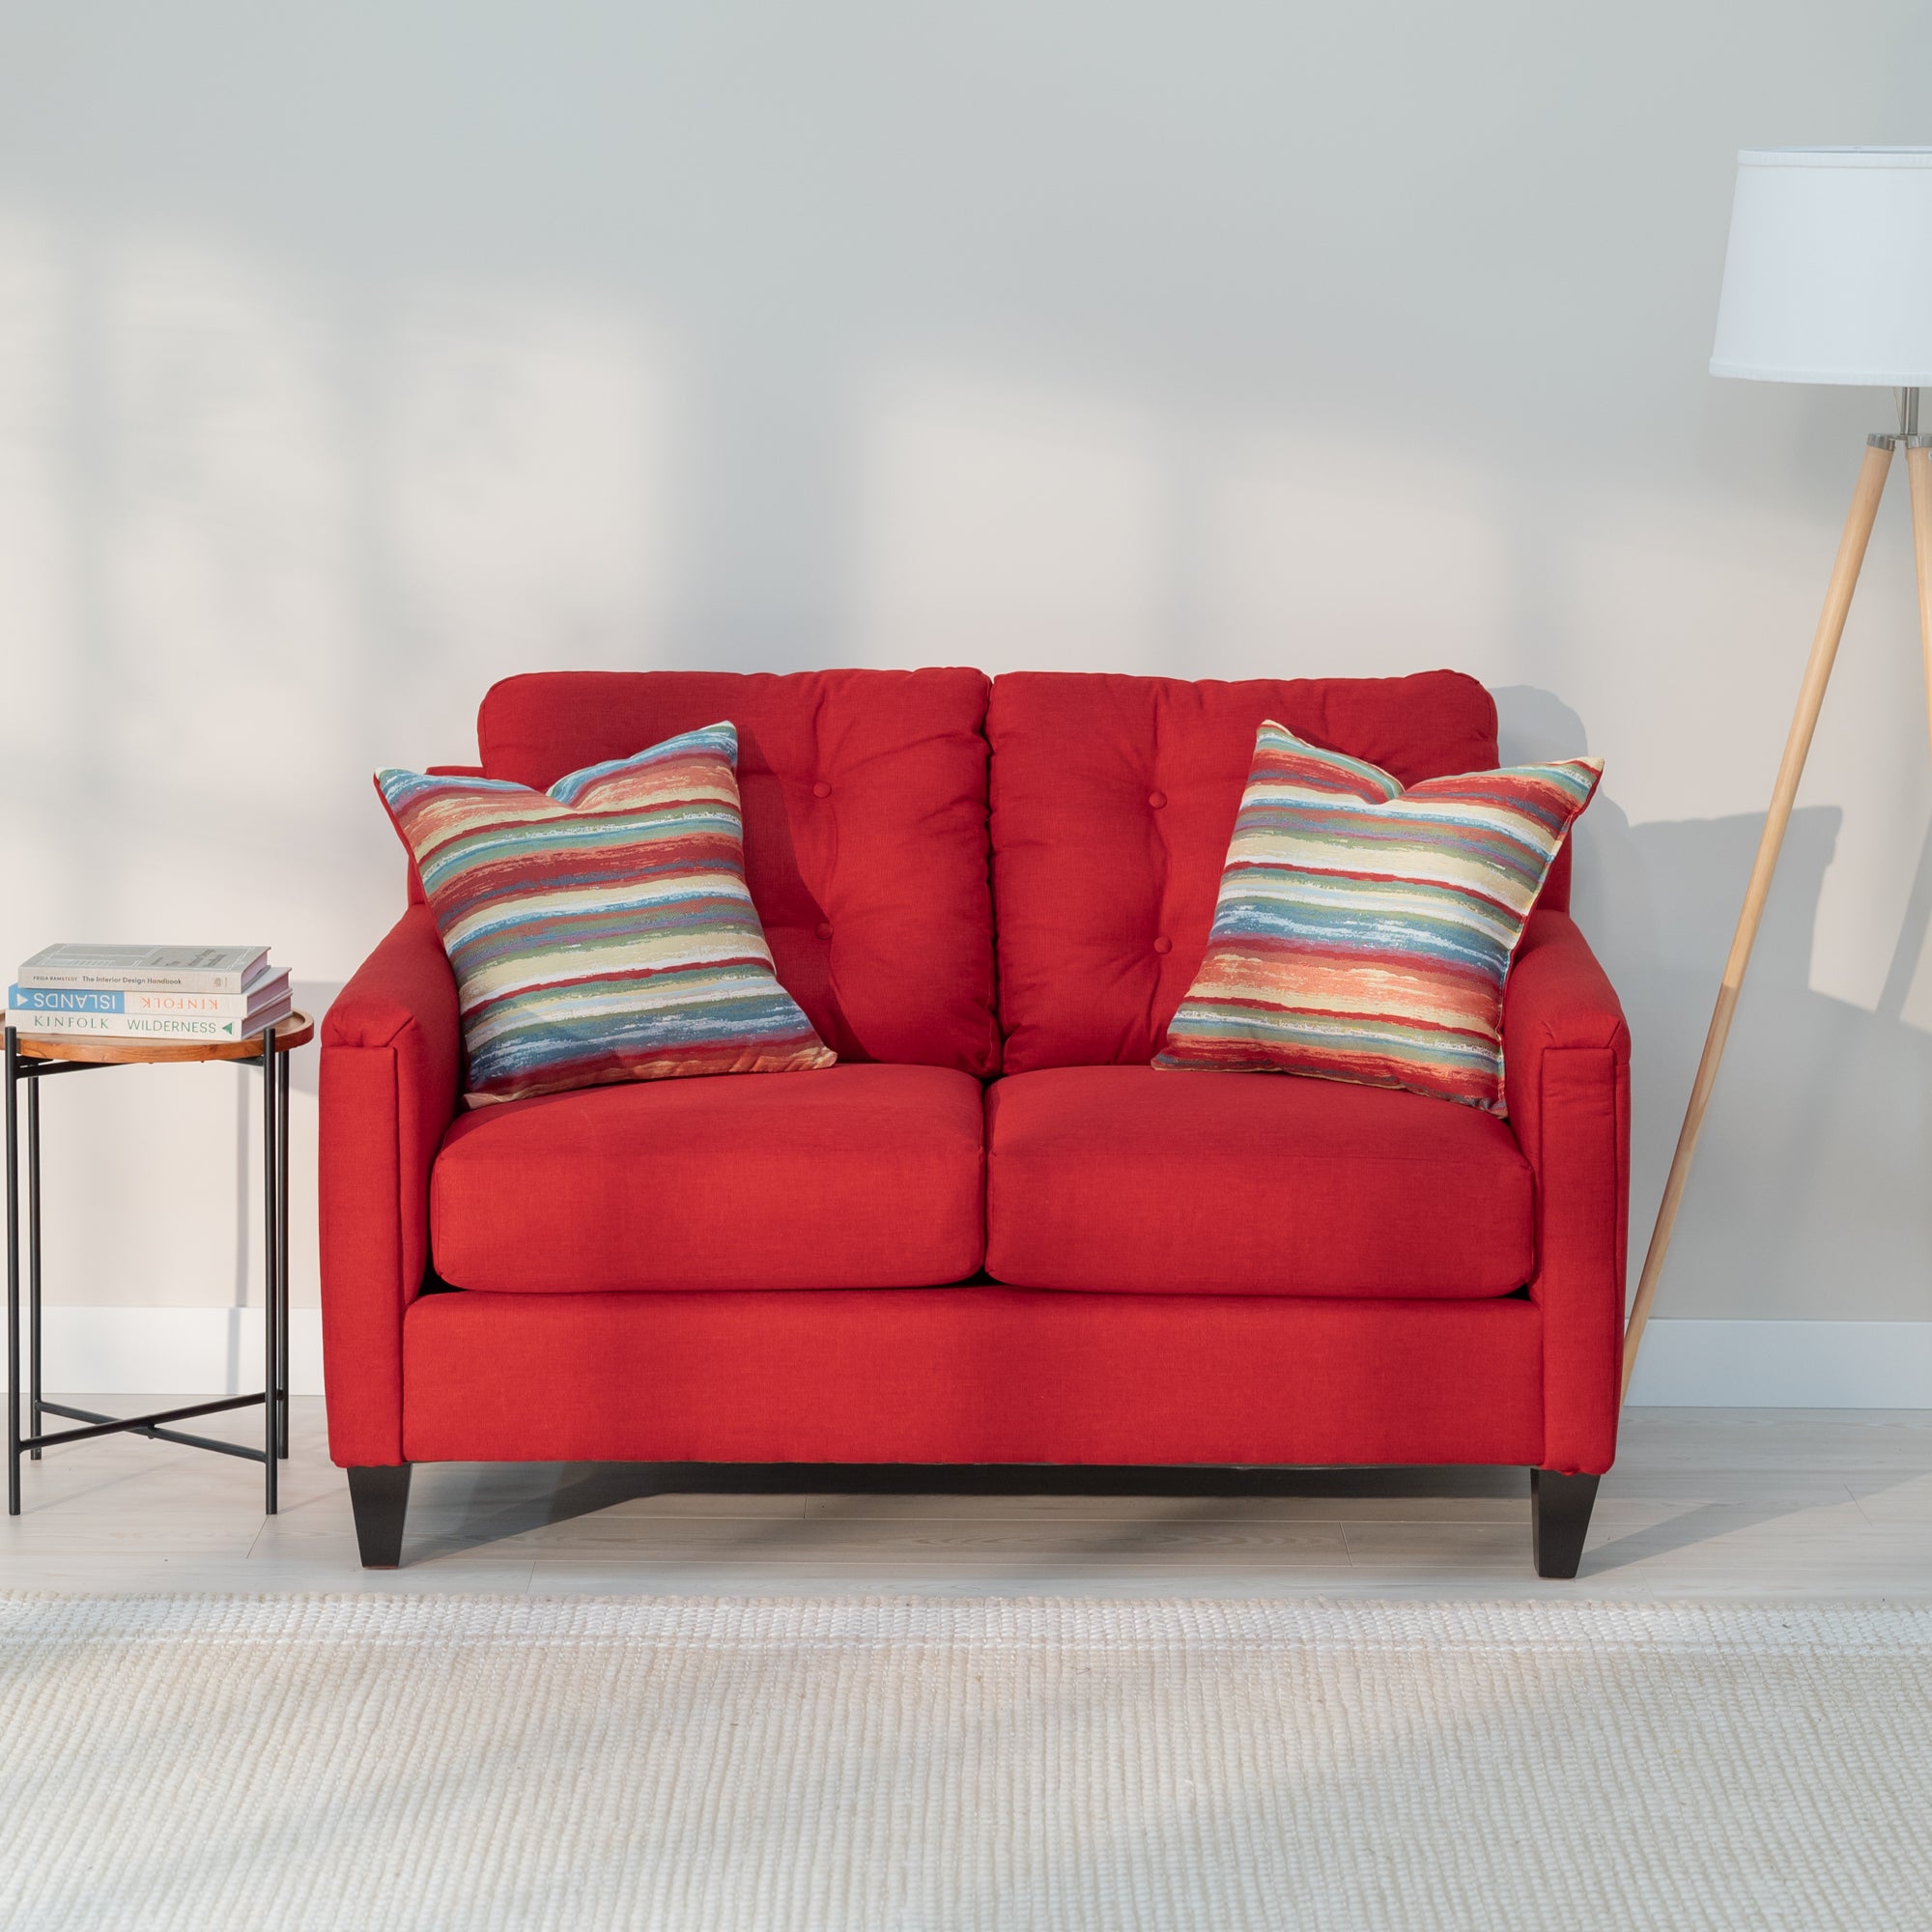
(35, 1058)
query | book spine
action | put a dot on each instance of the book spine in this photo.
(130, 983)
(140, 1026)
(63, 1000)
(82, 1000)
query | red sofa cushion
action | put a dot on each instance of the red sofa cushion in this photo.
(865, 801)
(1140, 1179)
(856, 1176)
(1113, 800)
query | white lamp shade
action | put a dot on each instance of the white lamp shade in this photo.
(1829, 273)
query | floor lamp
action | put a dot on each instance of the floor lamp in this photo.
(1828, 279)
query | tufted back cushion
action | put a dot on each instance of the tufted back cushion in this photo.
(1113, 801)
(864, 800)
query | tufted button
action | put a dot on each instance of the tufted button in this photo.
(821, 789)
(825, 928)
(1156, 799)
(1164, 944)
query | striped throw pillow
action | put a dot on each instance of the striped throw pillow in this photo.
(1363, 932)
(602, 930)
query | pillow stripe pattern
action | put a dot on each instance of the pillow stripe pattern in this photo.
(1363, 931)
(602, 930)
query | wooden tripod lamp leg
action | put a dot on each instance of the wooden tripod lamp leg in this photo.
(1811, 694)
(1919, 473)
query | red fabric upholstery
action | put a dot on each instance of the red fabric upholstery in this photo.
(860, 1176)
(865, 798)
(1149, 1182)
(1556, 894)
(970, 1375)
(1088, 879)
(1566, 1063)
(1113, 799)
(390, 1057)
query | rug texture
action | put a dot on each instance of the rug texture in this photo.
(453, 1762)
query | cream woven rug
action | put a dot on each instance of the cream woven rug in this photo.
(451, 1762)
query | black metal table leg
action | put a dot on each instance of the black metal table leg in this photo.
(282, 1255)
(13, 1273)
(270, 1253)
(34, 1263)
(21, 1069)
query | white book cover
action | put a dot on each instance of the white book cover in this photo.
(261, 994)
(142, 1026)
(166, 968)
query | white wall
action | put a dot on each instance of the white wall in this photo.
(351, 356)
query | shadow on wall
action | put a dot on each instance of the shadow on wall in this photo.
(1808, 1181)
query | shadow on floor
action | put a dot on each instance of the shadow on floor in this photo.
(563, 1493)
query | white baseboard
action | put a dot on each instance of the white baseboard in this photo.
(1683, 1364)
(1687, 1364)
(173, 1350)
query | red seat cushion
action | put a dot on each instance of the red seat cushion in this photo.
(1113, 800)
(865, 803)
(1148, 1181)
(856, 1176)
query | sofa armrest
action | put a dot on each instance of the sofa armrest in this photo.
(1566, 1060)
(391, 1060)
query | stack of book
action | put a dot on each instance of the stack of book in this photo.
(149, 992)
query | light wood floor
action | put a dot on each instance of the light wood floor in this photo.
(1703, 1502)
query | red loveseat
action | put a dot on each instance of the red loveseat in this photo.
(992, 1234)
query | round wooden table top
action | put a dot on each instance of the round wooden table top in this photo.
(104, 1049)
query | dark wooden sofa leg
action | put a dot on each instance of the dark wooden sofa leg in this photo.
(380, 1499)
(1559, 1520)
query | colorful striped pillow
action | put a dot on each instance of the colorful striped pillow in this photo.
(602, 930)
(1364, 933)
